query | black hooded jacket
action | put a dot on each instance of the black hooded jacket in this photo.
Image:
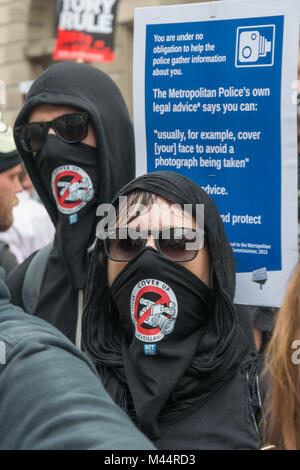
(221, 406)
(86, 88)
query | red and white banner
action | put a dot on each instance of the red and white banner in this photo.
(85, 30)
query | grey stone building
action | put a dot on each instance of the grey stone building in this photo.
(27, 32)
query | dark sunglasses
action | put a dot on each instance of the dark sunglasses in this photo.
(176, 243)
(70, 128)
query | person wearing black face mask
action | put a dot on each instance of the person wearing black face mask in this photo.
(75, 136)
(160, 325)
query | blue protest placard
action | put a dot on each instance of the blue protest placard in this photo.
(214, 110)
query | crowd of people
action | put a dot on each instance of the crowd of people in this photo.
(126, 335)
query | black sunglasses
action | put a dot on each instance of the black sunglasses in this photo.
(70, 128)
(180, 244)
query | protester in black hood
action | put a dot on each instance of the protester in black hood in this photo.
(75, 136)
(159, 321)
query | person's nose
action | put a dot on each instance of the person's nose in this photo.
(151, 241)
(18, 186)
(51, 130)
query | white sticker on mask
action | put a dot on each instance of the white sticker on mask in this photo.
(72, 188)
(154, 310)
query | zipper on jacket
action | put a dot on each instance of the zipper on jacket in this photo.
(79, 320)
(261, 407)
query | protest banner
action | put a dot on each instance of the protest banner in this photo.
(85, 30)
(213, 100)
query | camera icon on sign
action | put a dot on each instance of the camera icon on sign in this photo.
(255, 46)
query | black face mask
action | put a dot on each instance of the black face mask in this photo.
(69, 173)
(163, 308)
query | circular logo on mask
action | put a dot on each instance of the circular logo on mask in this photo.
(154, 310)
(72, 188)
